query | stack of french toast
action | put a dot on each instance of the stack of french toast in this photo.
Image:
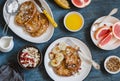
(33, 21)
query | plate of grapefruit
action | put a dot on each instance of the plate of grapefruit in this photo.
(106, 35)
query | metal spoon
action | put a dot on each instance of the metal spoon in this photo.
(97, 24)
(10, 5)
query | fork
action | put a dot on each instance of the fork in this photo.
(86, 58)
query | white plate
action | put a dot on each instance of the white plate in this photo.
(21, 32)
(85, 66)
(114, 43)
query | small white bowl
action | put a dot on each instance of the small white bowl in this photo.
(6, 43)
(107, 59)
(73, 12)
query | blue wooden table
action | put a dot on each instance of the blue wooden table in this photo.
(96, 9)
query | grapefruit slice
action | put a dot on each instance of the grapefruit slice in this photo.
(81, 3)
(102, 32)
(116, 30)
(105, 40)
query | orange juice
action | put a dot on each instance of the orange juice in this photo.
(74, 21)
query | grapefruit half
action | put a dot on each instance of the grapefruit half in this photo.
(116, 30)
(81, 3)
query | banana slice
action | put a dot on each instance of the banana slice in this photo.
(62, 46)
(52, 55)
(59, 57)
(54, 63)
(63, 3)
(56, 50)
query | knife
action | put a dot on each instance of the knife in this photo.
(46, 13)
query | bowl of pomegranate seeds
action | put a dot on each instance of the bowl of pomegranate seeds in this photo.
(29, 57)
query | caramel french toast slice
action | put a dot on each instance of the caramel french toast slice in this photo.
(34, 24)
(44, 25)
(26, 12)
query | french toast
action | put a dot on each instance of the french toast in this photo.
(26, 11)
(65, 59)
(34, 24)
(44, 25)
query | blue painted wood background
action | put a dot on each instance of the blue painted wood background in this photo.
(96, 9)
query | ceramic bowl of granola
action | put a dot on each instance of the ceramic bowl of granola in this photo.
(112, 64)
(29, 57)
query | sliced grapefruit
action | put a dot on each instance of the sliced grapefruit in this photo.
(102, 32)
(116, 30)
(105, 40)
(81, 3)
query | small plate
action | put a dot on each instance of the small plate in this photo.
(114, 43)
(85, 67)
(22, 33)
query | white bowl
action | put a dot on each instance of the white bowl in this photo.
(73, 12)
(111, 72)
(6, 43)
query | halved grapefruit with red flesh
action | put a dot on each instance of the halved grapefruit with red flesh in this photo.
(102, 32)
(116, 30)
(105, 40)
(81, 3)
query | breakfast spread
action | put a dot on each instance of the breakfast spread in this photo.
(65, 60)
(34, 22)
(29, 57)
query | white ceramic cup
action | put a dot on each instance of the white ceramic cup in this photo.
(6, 43)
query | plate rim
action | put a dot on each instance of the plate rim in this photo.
(70, 37)
(91, 33)
(32, 41)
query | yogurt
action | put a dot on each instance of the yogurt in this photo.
(12, 7)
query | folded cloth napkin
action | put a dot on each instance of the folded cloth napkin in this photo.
(9, 74)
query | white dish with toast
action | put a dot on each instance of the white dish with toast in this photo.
(22, 33)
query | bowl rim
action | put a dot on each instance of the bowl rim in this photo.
(72, 12)
(109, 57)
(19, 53)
